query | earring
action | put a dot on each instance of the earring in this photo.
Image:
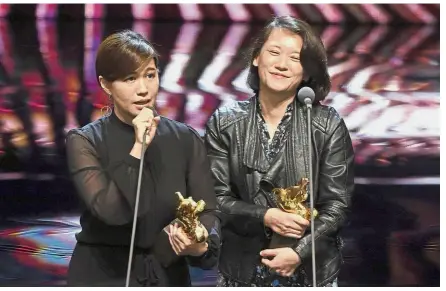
(106, 110)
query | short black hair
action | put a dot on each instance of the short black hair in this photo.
(313, 56)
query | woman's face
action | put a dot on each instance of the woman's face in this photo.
(134, 92)
(278, 62)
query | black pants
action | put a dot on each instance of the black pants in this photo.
(93, 265)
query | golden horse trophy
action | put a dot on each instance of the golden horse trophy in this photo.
(187, 217)
(292, 200)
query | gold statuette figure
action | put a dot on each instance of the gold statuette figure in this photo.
(187, 216)
(291, 199)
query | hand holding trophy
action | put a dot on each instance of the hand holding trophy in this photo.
(291, 200)
(187, 217)
(186, 234)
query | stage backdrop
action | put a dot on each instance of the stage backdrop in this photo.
(385, 84)
(232, 12)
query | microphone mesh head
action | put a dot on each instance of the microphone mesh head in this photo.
(305, 93)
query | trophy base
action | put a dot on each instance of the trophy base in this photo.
(278, 241)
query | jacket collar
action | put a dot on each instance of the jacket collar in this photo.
(292, 164)
(254, 156)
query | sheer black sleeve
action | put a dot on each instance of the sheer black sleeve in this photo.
(200, 186)
(109, 193)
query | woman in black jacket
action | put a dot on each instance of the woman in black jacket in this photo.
(261, 144)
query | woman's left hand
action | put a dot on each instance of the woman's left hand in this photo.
(183, 245)
(282, 261)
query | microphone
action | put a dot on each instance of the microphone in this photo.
(138, 192)
(306, 96)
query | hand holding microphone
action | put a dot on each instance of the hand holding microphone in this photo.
(144, 124)
(145, 121)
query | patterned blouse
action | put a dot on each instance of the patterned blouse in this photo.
(273, 145)
(263, 276)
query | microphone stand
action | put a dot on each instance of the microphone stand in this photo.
(308, 102)
(135, 217)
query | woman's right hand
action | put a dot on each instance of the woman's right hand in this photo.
(145, 120)
(183, 245)
(285, 224)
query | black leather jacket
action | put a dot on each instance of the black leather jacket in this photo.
(244, 180)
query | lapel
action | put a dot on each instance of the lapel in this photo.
(297, 165)
(290, 165)
(254, 156)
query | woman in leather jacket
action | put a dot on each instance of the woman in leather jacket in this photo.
(260, 144)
